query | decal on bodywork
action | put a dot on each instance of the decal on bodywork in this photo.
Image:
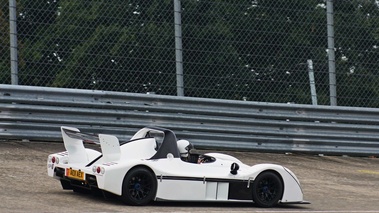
(63, 153)
(92, 162)
(110, 163)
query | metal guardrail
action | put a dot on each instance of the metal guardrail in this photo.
(36, 113)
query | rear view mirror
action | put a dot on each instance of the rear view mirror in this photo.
(233, 168)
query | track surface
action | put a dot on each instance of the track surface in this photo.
(330, 183)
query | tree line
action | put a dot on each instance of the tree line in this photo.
(242, 50)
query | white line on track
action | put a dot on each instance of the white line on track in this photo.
(324, 211)
(278, 211)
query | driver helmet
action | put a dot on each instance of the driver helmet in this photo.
(184, 147)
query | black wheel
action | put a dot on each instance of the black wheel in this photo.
(139, 187)
(267, 189)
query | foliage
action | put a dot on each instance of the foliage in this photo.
(4, 44)
(244, 50)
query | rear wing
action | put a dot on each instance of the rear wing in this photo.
(73, 141)
(76, 134)
(143, 145)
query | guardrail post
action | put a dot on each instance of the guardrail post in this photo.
(312, 82)
(331, 53)
(178, 47)
(13, 41)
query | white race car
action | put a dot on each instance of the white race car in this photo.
(154, 166)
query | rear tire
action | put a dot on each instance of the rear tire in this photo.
(139, 187)
(267, 189)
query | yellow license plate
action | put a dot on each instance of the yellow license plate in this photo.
(72, 173)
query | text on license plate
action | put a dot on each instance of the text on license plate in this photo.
(72, 173)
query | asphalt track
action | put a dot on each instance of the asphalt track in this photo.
(331, 183)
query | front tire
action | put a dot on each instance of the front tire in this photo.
(139, 187)
(267, 189)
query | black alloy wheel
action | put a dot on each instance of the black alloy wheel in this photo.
(139, 187)
(267, 189)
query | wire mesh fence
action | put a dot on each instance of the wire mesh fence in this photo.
(241, 50)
